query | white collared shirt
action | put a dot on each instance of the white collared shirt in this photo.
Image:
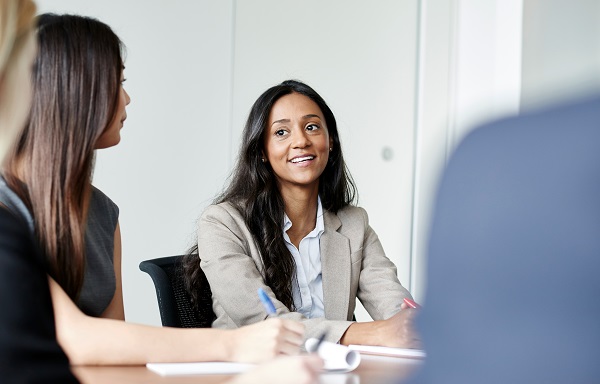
(308, 295)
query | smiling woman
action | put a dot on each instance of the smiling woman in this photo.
(287, 224)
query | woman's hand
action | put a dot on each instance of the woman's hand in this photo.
(265, 340)
(399, 330)
(289, 370)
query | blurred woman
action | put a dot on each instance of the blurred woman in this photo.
(29, 351)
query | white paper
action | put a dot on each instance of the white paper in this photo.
(388, 351)
(205, 368)
(336, 357)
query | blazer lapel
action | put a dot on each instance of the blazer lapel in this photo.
(335, 263)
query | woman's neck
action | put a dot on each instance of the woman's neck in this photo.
(301, 208)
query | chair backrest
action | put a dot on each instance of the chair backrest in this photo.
(174, 302)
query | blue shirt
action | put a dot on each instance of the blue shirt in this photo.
(308, 294)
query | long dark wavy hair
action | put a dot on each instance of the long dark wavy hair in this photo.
(76, 83)
(253, 190)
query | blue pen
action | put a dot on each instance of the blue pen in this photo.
(264, 298)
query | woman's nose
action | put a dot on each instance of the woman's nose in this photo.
(301, 140)
(127, 98)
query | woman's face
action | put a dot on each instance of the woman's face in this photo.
(112, 135)
(15, 94)
(297, 141)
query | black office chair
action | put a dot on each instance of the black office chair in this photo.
(174, 302)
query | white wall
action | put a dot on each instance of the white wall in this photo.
(561, 50)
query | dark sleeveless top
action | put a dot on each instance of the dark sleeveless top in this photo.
(99, 282)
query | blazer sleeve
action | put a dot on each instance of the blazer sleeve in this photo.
(379, 289)
(231, 262)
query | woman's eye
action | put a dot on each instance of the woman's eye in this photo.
(312, 127)
(279, 132)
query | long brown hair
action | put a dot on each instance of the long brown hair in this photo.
(76, 81)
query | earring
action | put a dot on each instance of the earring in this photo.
(330, 149)
(263, 160)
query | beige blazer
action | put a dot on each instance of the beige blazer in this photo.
(354, 266)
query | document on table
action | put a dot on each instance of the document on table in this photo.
(204, 368)
(388, 351)
(337, 358)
